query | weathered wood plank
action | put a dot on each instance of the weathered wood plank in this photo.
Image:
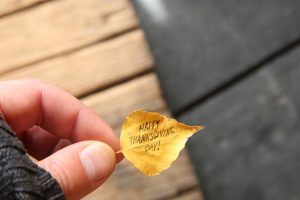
(94, 67)
(114, 104)
(7, 6)
(250, 147)
(128, 183)
(60, 26)
(221, 39)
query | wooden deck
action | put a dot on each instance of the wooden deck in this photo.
(95, 50)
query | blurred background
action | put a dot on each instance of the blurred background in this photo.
(232, 66)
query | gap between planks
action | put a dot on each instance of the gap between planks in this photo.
(250, 70)
(95, 68)
(9, 7)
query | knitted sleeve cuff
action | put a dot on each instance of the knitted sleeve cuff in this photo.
(21, 178)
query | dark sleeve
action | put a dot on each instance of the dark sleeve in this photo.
(21, 178)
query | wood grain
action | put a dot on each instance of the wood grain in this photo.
(94, 67)
(60, 26)
(114, 104)
(8, 6)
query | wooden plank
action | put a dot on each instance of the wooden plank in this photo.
(92, 68)
(128, 183)
(221, 39)
(252, 136)
(114, 104)
(60, 26)
(8, 6)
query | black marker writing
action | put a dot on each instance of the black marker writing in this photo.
(153, 135)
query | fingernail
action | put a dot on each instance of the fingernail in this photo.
(97, 162)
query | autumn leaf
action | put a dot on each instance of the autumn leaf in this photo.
(151, 142)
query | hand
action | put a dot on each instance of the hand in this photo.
(69, 140)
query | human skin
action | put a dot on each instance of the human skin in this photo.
(67, 138)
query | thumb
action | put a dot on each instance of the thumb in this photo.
(80, 168)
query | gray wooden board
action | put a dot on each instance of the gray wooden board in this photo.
(250, 148)
(200, 44)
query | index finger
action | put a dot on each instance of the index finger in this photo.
(25, 103)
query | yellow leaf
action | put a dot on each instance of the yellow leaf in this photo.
(151, 142)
